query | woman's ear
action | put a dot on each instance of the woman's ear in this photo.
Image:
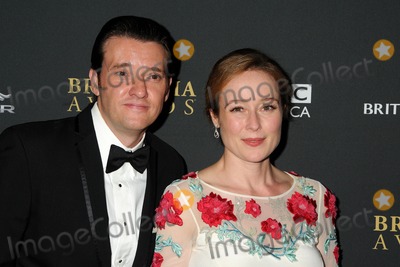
(214, 118)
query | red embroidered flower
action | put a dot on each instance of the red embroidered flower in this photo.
(272, 227)
(303, 208)
(330, 204)
(252, 208)
(157, 260)
(189, 175)
(168, 211)
(336, 253)
(214, 209)
(294, 173)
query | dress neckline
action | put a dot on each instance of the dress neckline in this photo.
(250, 196)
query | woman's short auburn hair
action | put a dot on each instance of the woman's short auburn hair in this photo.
(237, 62)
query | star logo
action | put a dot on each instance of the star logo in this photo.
(185, 197)
(383, 199)
(183, 49)
(383, 50)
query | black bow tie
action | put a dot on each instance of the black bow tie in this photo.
(119, 156)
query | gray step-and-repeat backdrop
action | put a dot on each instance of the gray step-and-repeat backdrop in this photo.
(342, 56)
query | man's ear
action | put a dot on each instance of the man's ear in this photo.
(168, 90)
(94, 82)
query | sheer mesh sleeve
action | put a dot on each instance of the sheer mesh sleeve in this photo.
(327, 241)
(176, 228)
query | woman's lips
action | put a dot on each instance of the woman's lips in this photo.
(253, 141)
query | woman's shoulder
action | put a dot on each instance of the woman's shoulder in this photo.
(185, 181)
(306, 184)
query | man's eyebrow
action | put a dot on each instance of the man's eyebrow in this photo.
(121, 65)
(129, 65)
(156, 69)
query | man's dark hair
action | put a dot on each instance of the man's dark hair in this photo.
(142, 29)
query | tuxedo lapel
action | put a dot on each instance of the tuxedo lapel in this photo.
(92, 177)
(144, 256)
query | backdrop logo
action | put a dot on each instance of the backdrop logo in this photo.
(381, 108)
(301, 95)
(184, 94)
(185, 97)
(383, 50)
(185, 198)
(183, 49)
(77, 87)
(6, 108)
(383, 199)
(386, 224)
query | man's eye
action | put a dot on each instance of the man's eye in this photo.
(153, 76)
(236, 109)
(121, 73)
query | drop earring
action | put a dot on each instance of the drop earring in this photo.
(216, 133)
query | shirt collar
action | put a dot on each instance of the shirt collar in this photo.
(106, 138)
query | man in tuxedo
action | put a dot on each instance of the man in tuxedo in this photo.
(82, 191)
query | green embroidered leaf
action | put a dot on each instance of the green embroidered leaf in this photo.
(158, 246)
(234, 235)
(326, 245)
(290, 253)
(177, 249)
(309, 235)
(302, 181)
(261, 238)
(166, 243)
(291, 257)
(195, 187)
(309, 190)
(331, 237)
(221, 231)
(161, 244)
(255, 248)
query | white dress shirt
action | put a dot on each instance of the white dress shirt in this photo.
(125, 190)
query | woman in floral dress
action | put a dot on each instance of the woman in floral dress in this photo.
(242, 210)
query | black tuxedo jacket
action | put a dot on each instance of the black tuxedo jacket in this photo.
(52, 198)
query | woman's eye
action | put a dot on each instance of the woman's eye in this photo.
(269, 107)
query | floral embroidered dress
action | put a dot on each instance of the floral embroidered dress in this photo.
(199, 225)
